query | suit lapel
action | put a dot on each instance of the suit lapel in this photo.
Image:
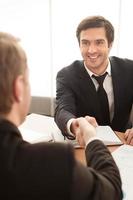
(117, 87)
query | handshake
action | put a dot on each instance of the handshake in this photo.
(84, 129)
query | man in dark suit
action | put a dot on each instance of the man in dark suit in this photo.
(46, 170)
(77, 86)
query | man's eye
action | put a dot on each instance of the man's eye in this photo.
(99, 42)
(85, 42)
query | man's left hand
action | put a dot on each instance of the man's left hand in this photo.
(128, 135)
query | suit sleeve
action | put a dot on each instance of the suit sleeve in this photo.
(101, 178)
(64, 94)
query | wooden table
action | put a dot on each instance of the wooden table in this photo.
(80, 153)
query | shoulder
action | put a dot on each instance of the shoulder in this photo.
(56, 153)
(56, 148)
(72, 68)
(122, 67)
(121, 61)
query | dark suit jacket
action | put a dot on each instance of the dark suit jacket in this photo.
(76, 94)
(49, 170)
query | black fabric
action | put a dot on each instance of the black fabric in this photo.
(103, 99)
(76, 94)
(47, 171)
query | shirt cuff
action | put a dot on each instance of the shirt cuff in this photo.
(68, 126)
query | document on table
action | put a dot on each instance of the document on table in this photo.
(104, 133)
(33, 136)
(107, 135)
(124, 160)
(39, 128)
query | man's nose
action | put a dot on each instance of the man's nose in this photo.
(92, 48)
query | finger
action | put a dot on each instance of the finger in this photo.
(129, 138)
(87, 118)
(127, 133)
(80, 142)
(131, 143)
(85, 126)
(79, 139)
(82, 122)
(91, 120)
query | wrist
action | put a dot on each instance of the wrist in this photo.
(72, 127)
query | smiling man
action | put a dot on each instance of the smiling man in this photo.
(97, 85)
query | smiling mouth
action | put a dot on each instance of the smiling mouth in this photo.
(93, 58)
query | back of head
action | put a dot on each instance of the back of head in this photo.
(12, 64)
(96, 22)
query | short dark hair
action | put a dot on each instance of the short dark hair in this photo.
(96, 22)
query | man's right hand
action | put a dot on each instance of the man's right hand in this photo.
(84, 131)
(91, 120)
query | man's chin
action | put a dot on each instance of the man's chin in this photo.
(92, 65)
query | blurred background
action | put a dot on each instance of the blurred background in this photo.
(47, 32)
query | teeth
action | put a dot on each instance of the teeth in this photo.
(93, 57)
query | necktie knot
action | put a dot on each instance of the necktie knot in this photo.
(100, 79)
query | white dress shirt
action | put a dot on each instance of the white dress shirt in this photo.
(108, 86)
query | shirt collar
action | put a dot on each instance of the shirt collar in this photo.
(107, 70)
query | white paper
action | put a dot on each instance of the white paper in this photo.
(39, 128)
(124, 160)
(107, 135)
(32, 136)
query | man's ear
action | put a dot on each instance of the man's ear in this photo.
(18, 88)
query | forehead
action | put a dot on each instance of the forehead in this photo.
(93, 34)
